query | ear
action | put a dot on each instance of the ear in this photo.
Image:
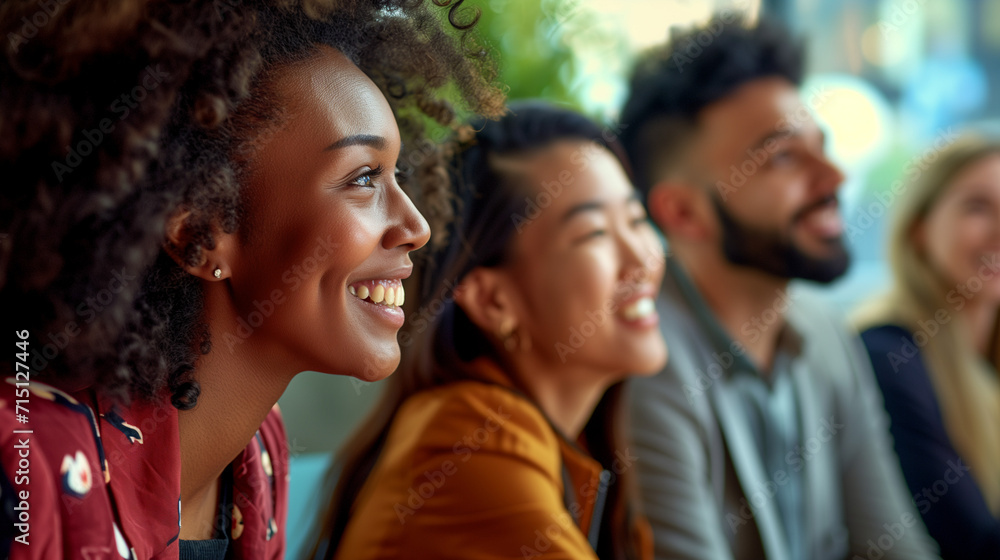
(485, 297)
(213, 264)
(678, 209)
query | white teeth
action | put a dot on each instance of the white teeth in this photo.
(641, 308)
(391, 296)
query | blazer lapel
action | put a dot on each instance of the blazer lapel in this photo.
(749, 470)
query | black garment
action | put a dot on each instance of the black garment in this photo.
(943, 489)
(211, 549)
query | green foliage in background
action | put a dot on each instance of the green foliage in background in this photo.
(525, 36)
(541, 47)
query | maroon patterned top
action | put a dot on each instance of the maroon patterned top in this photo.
(80, 479)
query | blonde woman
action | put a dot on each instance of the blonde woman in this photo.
(935, 346)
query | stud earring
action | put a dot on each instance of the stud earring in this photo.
(217, 273)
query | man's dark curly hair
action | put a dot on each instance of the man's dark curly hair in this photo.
(116, 116)
(672, 83)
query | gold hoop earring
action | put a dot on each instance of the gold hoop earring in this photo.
(505, 332)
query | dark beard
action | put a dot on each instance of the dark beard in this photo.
(775, 254)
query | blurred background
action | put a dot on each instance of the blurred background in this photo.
(892, 81)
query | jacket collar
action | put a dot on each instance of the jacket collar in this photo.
(581, 471)
(678, 285)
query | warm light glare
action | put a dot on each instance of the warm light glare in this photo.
(855, 115)
(648, 21)
(883, 48)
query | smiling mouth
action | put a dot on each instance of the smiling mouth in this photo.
(822, 218)
(821, 204)
(639, 309)
(389, 292)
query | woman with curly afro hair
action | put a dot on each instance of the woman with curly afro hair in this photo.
(200, 200)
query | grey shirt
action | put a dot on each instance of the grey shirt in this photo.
(792, 465)
(766, 400)
(771, 413)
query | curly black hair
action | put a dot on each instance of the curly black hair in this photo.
(672, 83)
(117, 116)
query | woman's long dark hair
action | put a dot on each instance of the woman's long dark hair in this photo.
(439, 340)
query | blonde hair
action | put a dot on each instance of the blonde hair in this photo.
(968, 390)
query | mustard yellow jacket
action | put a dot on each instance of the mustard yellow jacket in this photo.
(471, 471)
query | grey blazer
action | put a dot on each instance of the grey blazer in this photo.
(704, 487)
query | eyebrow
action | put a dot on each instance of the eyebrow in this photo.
(594, 206)
(377, 142)
(779, 134)
(776, 135)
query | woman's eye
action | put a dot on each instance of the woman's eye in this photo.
(781, 157)
(644, 220)
(976, 206)
(367, 178)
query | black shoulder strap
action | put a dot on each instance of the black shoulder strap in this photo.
(599, 502)
(568, 500)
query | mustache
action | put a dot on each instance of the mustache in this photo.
(815, 206)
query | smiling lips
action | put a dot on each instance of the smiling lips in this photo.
(823, 218)
(381, 292)
(639, 309)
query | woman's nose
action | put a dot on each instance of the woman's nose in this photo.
(410, 230)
